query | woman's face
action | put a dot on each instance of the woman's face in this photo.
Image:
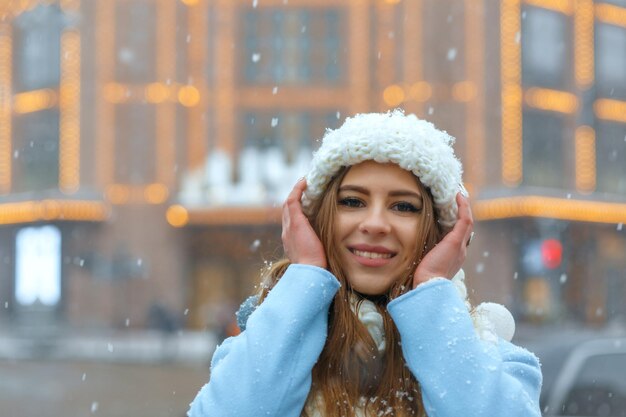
(379, 207)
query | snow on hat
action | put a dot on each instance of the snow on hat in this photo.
(393, 137)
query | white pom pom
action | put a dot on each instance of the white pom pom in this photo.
(499, 317)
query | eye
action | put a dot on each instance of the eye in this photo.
(405, 207)
(351, 202)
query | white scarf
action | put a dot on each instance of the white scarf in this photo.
(490, 320)
(373, 321)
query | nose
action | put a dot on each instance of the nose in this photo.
(375, 221)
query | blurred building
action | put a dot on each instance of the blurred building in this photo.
(146, 145)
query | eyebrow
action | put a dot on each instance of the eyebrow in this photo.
(392, 193)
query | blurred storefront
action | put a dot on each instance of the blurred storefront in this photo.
(146, 145)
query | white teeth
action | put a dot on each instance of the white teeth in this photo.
(372, 255)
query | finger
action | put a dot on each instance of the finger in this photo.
(296, 192)
(292, 204)
(464, 207)
(299, 187)
(465, 219)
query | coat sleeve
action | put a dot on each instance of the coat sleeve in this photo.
(266, 370)
(460, 374)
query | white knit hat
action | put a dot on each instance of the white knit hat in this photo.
(413, 144)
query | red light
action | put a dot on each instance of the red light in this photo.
(551, 253)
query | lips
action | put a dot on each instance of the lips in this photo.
(372, 256)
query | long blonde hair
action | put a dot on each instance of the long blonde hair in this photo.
(350, 372)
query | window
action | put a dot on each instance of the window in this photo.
(621, 3)
(134, 140)
(543, 153)
(277, 147)
(36, 151)
(545, 48)
(610, 157)
(38, 266)
(289, 130)
(292, 46)
(135, 49)
(444, 35)
(37, 44)
(611, 61)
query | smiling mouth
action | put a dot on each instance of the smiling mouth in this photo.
(372, 255)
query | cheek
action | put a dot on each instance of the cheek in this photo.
(337, 232)
(409, 235)
(409, 232)
(342, 226)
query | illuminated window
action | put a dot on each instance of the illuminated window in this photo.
(38, 266)
(37, 36)
(611, 61)
(543, 150)
(611, 154)
(277, 146)
(546, 49)
(294, 46)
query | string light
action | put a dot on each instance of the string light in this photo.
(188, 96)
(6, 65)
(115, 93)
(393, 95)
(510, 67)
(609, 109)
(561, 6)
(464, 91)
(156, 193)
(551, 100)
(421, 91)
(609, 13)
(555, 208)
(156, 93)
(585, 159)
(177, 216)
(583, 36)
(33, 101)
(69, 110)
(49, 210)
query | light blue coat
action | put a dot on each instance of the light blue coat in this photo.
(266, 370)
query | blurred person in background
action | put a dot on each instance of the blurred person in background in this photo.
(368, 314)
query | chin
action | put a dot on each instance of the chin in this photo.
(370, 290)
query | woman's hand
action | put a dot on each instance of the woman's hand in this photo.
(446, 258)
(301, 244)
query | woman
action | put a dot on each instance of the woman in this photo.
(368, 314)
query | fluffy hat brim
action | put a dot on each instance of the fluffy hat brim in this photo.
(414, 144)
